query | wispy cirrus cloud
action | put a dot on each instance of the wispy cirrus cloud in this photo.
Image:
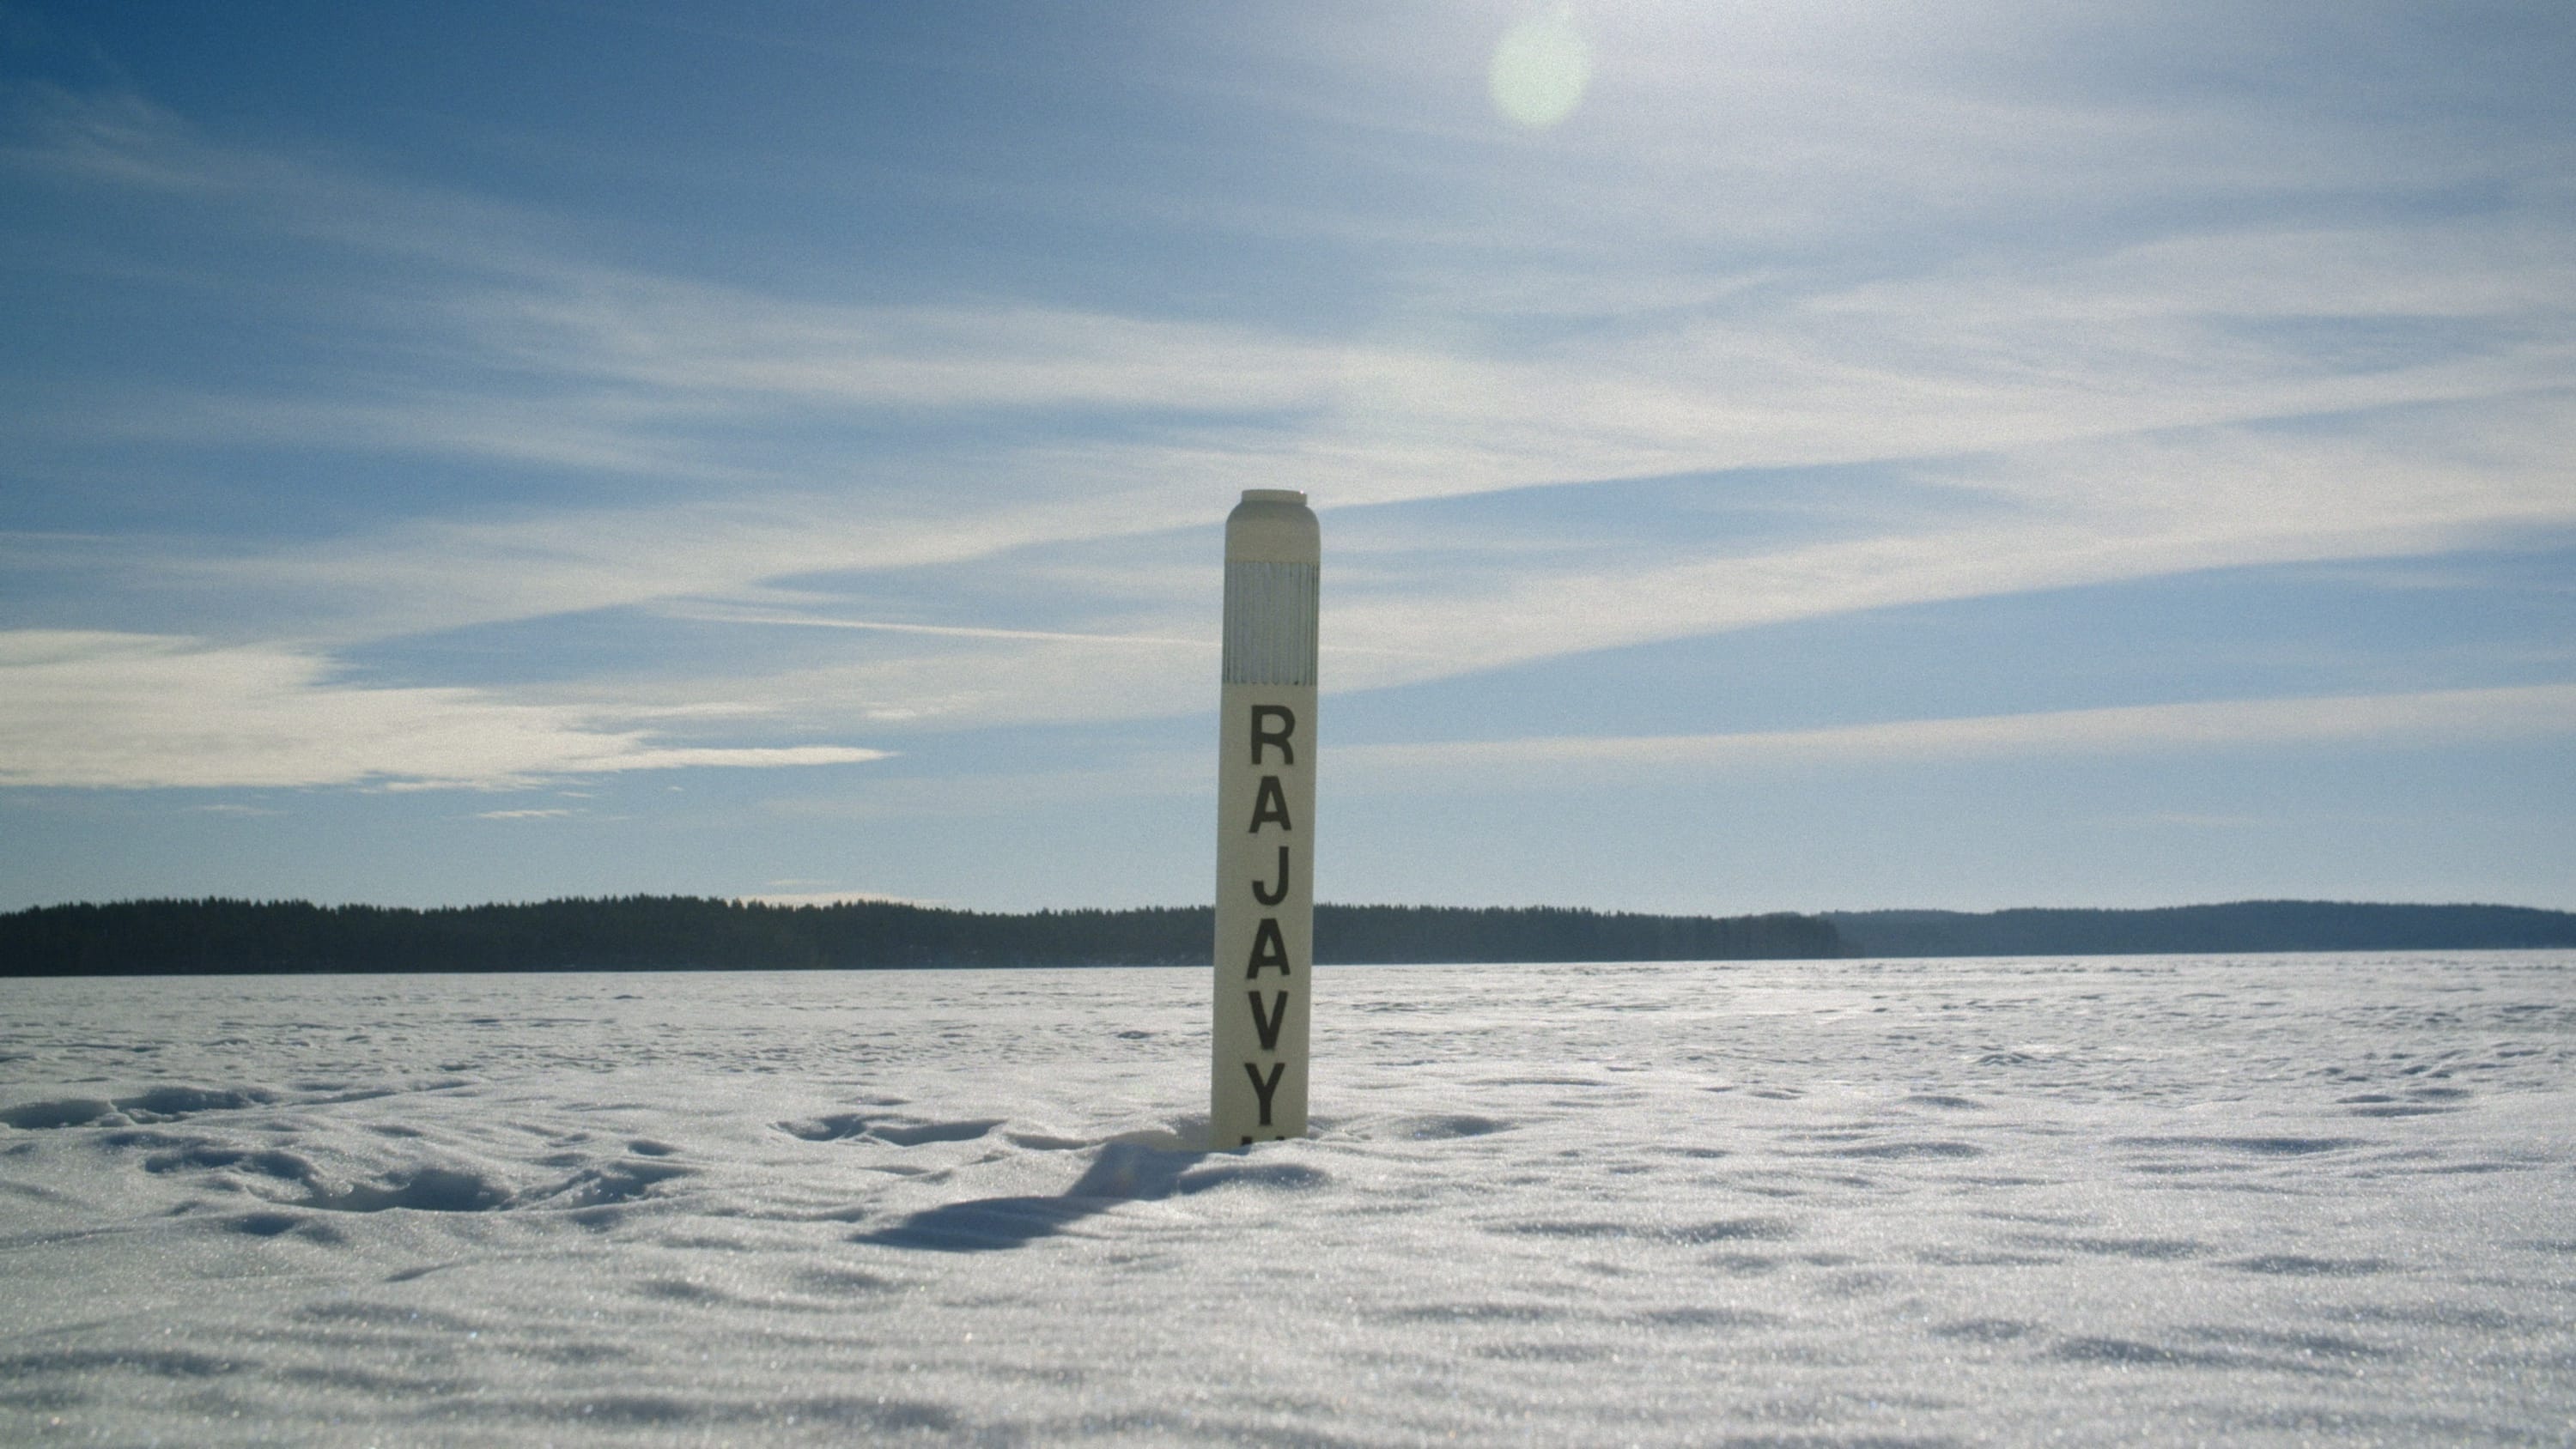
(2536, 712)
(134, 711)
(2099, 411)
(1663, 369)
(2098, 511)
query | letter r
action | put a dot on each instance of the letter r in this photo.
(1286, 721)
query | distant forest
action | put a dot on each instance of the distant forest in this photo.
(682, 933)
(685, 933)
(2184, 930)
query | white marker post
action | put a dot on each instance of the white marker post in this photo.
(1265, 794)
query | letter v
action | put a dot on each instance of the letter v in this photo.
(1268, 1024)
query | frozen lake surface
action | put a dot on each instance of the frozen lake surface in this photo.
(2293, 1199)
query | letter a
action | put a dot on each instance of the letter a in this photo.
(1270, 804)
(1268, 1024)
(1269, 948)
(1263, 1089)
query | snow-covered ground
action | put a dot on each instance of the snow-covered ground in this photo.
(2253, 1200)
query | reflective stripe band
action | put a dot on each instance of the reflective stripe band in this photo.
(1270, 622)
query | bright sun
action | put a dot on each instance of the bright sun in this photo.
(1540, 68)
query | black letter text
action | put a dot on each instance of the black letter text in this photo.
(1279, 892)
(1269, 948)
(1264, 1089)
(1268, 1025)
(1287, 723)
(1270, 804)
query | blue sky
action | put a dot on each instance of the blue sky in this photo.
(1770, 456)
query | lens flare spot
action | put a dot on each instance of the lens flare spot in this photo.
(1540, 69)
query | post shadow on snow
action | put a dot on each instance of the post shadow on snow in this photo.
(1124, 1172)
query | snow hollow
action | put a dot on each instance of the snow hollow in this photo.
(2255, 1200)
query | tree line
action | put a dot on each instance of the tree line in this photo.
(2186, 930)
(668, 933)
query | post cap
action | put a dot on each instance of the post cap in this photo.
(1272, 524)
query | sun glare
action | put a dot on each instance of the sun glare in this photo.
(1540, 68)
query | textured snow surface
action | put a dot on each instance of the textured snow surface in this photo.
(2176, 1199)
